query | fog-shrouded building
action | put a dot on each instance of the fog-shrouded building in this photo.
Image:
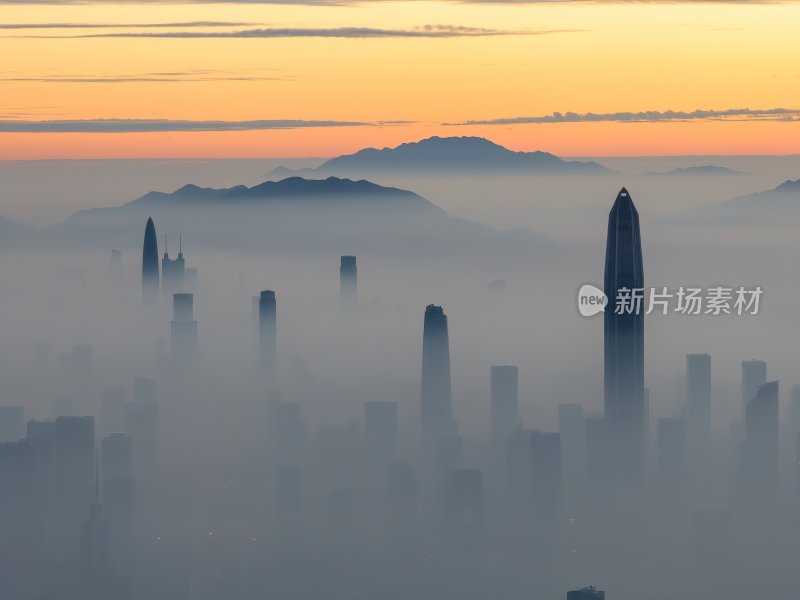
(119, 489)
(348, 282)
(173, 270)
(698, 405)
(150, 272)
(441, 442)
(435, 394)
(504, 403)
(754, 375)
(183, 328)
(267, 329)
(758, 453)
(624, 340)
(587, 593)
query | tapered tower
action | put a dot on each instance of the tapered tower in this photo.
(624, 338)
(150, 283)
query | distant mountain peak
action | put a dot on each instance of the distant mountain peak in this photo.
(790, 185)
(699, 170)
(465, 154)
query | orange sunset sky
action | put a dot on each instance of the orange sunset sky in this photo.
(287, 79)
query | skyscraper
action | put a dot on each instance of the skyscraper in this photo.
(505, 403)
(624, 338)
(348, 282)
(754, 374)
(758, 454)
(183, 329)
(436, 401)
(267, 329)
(150, 264)
(94, 549)
(698, 401)
(172, 271)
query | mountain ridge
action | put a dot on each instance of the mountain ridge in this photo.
(446, 155)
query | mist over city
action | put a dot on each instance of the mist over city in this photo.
(337, 385)
(399, 300)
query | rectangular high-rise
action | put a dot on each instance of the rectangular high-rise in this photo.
(754, 374)
(348, 282)
(183, 328)
(698, 402)
(505, 403)
(267, 329)
(758, 454)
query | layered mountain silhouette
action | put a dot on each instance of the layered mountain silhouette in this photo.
(445, 155)
(295, 215)
(781, 200)
(699, 170)
(776, 206)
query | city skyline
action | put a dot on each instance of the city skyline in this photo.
(302, 299)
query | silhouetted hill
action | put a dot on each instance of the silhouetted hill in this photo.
(448, 155)
(295, 214)
(12, 233)
(783, 200)
(699, 170)
(777, 206)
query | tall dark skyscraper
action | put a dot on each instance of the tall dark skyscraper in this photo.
(348, 282)
(624, 338)
(436, 401)
(150, 263)
(267, 329)
(505, 403)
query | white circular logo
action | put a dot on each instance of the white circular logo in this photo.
(591, 300)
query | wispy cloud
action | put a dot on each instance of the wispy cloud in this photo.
(352, 2)
(194, 75)
(120, 25)
(425, 31)
(155, 125)
(135, 79)
(734, 114)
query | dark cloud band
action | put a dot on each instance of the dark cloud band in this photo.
(119, 25)
(652, 116)
(426, 31)
(156, 125)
